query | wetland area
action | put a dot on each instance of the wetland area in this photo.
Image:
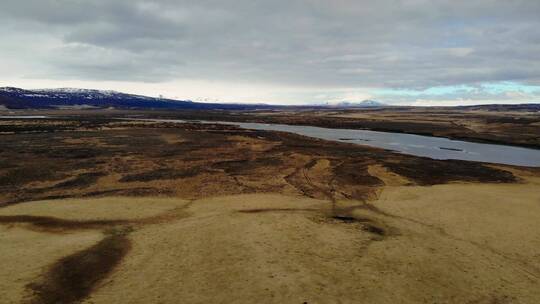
(97, 209)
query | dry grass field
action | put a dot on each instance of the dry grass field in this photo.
(96, 210)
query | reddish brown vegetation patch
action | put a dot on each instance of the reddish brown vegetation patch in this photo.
(211, 160)
(431, 172)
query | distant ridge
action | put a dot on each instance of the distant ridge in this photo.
(73, 98)
(16, 98)
(524, 107)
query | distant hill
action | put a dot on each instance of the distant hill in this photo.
(361, 104)
(525, 107)
(66, 98)
(16, 98)
(69, 98)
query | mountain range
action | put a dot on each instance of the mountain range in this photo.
(16, 98)
(66, 98)
(69, 98)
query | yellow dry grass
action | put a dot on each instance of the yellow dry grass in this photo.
(291, 254)
(26, 255)
(502, 219)
(456, 243)
(107, 208)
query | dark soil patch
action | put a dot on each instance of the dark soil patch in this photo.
(375, 229)
(354, 172)
(345, 219)
(30, 173)
(432, 172)
(72, 278)
(369, 225)
(276, 210)
(161, 174)
(236, 167)
(57, 224)
(77, 153)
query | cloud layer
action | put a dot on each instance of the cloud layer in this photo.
(305, 46)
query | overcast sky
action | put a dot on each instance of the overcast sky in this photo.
(423, 52)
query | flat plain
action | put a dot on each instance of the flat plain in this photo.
(100, 210)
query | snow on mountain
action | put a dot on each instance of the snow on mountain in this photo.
(15, 98)
(86, 93)
(361, 104)
(70, 97)
(11, 90)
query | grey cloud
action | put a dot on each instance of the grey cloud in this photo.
(341, 43)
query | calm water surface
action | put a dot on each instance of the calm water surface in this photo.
(418, 145)
(23, 117)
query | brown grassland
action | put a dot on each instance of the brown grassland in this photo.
(98, 210)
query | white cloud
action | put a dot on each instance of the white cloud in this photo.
(291, 51)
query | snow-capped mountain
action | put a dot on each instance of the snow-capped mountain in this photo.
(66, 93)
(16, 98)
(361, 104)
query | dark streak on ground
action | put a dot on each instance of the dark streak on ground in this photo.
(52, 224)
(31, 196)
(278, 210)
(73, 278)
(376, 227)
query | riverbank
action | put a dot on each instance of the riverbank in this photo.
(507, 128)
(103, 156)
(421, 146)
